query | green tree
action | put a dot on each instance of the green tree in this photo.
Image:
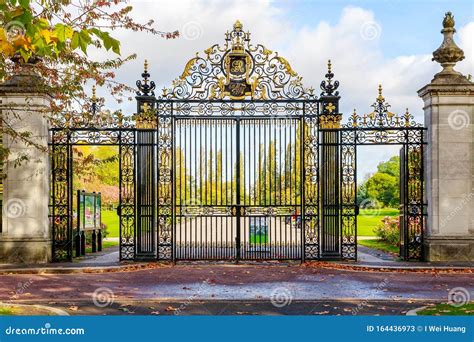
(390, 167)
(384, 188)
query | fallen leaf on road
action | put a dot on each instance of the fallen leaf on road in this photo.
(155, 313)
(73, 308)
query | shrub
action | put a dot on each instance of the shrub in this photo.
(389, 230)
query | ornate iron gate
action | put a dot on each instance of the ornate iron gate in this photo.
(237, 160)
(382, 127)
(238, 188)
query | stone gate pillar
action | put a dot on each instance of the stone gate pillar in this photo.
(449, 157)
(25, 235)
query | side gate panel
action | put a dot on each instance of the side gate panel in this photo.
(61, 196)
(145, 239)
(349, 209)
(311, 188)
(414, 195)
(330, 237)
(403, 207)
(165, 192)
(127, 195)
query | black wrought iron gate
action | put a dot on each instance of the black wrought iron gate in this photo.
(239, 161)
(238, 188)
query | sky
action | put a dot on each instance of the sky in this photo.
(369, 42)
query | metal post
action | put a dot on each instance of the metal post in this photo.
(237, 238)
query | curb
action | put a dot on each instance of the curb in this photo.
(87, 269)
(325, 265)
(389, 268)
(414, 312)
(55, 311)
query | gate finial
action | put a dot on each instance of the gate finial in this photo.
(94, 104)
(238, 25)
(145, 86)
(329, 86)
(448, 54)
(94, 96)
(380, 97)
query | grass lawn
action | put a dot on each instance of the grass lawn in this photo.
(27, 310)
(448, 310)
(368, 219)
(111, 220)
(105, 244)
(258, 239)
(6, 311)
(379, 244)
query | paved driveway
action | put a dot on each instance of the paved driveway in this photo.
(250, 282)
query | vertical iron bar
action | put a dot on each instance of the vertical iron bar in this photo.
(237, 241)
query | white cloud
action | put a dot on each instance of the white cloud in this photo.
(466, 42)
(353, 44)
(358, 61)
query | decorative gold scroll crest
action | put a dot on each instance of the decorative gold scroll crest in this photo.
(237, 85)
(238, 70)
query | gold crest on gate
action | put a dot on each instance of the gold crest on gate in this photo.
(237, 66)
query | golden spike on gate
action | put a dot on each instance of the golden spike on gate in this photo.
(94, 96)
(380, 97)
(407, 118)
(354, 118)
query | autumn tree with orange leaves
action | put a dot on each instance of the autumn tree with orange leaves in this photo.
(54, 38)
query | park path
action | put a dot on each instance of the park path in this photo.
(228, 281)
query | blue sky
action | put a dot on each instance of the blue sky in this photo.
(307, 33)
(407, 24)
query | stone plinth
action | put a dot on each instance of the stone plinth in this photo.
(449, 166)
(26, 235)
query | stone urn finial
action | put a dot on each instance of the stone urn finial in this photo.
(448, 54)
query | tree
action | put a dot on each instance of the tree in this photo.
(52, 39)
(390, 167)
(96, 169)
(382, 186)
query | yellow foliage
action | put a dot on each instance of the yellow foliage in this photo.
(5, 47)
(22, 42)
